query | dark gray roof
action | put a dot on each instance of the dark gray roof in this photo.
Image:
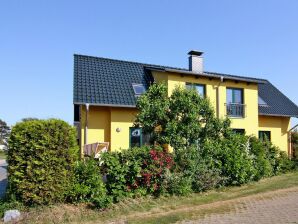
(277, 103)
(103, 81)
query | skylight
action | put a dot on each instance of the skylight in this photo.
(139, 89)
(262, 102)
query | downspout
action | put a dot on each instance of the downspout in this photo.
(290, 140)
(217, 96)
(86, 125)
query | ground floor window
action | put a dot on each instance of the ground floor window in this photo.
(265, 135)
(239, 131)
(137, 137)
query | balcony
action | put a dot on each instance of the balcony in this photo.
(235, 110)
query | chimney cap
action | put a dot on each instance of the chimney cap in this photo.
(194, 52)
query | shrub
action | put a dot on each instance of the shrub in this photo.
(177, 184)
(136, 171)
(198, 166)
(87, 184)
(40, 159)
(236, 160)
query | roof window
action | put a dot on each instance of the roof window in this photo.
(139, 89)
(261, 102)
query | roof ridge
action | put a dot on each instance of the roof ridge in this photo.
(166, 66)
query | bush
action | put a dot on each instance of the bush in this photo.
(236, 160)
(87, 185)
(40, 159)
(261, 159)
(177, 184)
(198, 166)
(135, 172)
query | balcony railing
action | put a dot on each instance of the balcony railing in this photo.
(235, 110)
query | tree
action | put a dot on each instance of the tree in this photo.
(183, 119)
(4, 132)
(30, 119)
(294, 139)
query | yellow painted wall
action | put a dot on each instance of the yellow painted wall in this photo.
(99, 124)
(278, 126)
(122, 118)
(103, 122)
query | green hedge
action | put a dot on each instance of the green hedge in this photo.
(135, 172)
(40, 159)
(87, 185)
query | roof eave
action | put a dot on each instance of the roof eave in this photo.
(278, 115)
(105, 105)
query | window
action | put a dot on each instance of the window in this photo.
(261, 102)
(234, 96)
(265, 135)
(137, 138)
(239, 131)
(235, 106)
(139, 89)
(76, 113)
(198, 87)
(135, 135)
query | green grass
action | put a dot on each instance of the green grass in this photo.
(159, 210)
(2, 155)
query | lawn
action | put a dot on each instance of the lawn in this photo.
(158, 210)
(2, 155)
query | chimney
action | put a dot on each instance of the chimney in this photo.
(196, 61)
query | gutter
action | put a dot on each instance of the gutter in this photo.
(217, 96)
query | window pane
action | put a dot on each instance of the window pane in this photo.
(239, 131)
(138, 89)
(229, 96)
(234, 96)
(261, 101)
(135, 137)
(199, 88)
(237, 98)
(265, 135)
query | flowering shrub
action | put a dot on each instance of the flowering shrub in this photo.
(135, 172)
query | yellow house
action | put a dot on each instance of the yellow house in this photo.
(106, 90)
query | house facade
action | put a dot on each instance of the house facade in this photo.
(106, 90)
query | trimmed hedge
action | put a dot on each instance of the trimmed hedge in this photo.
(41, 158)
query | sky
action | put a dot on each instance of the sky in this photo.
(38, 39)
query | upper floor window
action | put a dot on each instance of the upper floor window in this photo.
(201, 89)
(234, 104)
(139, 89)
(234, 96)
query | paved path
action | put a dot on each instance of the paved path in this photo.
(3, 177)
(279, 207)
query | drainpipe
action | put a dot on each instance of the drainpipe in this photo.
(217, 96)
(86, 124)
(290, 140)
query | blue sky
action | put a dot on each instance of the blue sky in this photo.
(38, 40)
